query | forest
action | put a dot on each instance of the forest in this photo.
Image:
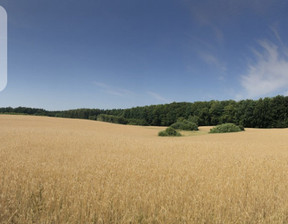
(262, 113)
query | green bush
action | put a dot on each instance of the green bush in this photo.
(225, 128)
(185, 125)
(169, 132)
(163, 133)
(241, 127)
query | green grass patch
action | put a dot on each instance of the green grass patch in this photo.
(193, 133)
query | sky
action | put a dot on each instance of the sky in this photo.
(120, 54)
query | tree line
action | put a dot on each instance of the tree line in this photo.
(262, 113)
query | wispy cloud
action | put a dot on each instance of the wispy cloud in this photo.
(269, 73)
(276, 33)
(210, 59)
(204, 20)
(215, 14)
(274, 30)
(112, 90)
(158, 97)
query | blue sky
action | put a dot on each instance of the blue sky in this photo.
(119, 54)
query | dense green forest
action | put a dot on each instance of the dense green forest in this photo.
(262, 113)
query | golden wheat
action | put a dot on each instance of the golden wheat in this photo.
(55, 170)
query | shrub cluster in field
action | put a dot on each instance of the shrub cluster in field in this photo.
(181, 124)
(169, 132)
(225, 128)
(185, 125)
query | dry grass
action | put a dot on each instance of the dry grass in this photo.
(56, 170)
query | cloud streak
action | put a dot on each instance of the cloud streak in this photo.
(112, 90)
(269, 73)
(158, 97)
(214, 14)
(212, 60)
(211, 12)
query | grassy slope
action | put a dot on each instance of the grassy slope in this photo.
(79, 171)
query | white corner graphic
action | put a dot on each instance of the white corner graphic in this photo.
(3, 48)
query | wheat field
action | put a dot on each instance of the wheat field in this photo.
(55, 170)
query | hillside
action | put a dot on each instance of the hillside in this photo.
(56, 170)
